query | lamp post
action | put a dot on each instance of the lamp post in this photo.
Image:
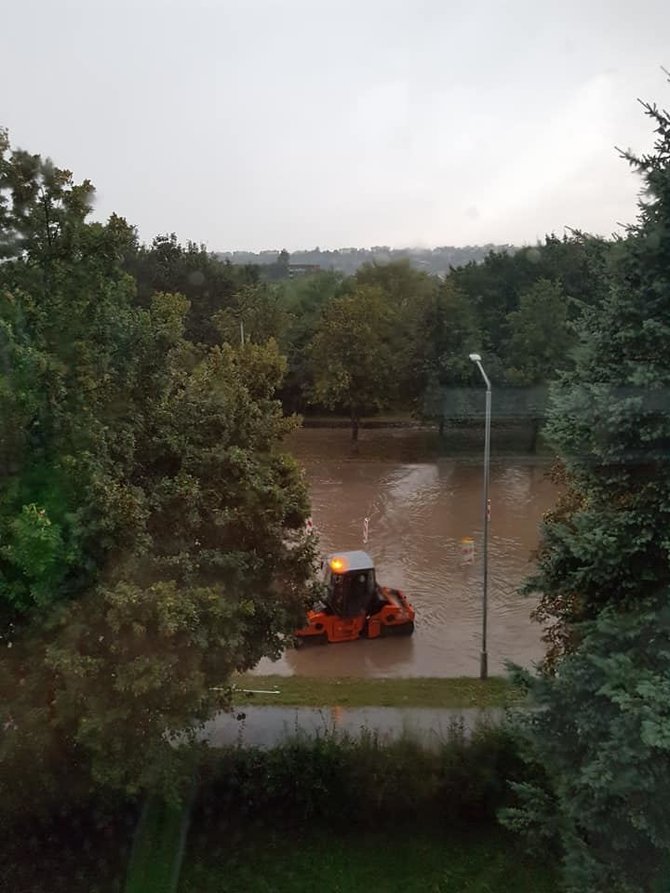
(484, 658)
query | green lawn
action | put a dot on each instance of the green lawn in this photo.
(413, 862)
(307, 691)
(157, 851)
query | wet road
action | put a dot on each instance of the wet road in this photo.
(420, 506)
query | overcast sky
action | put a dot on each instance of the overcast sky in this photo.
(295, 123)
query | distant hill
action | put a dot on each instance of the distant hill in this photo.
(348, 260)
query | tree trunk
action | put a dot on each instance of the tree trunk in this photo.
(441, 427)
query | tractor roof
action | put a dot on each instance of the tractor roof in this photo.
(355, 561)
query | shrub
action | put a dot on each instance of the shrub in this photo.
(338, 781)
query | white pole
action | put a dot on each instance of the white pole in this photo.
(484, 657)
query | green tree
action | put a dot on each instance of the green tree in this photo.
(539, 345)
(448, 332)
(279, 270)
(213, 575)
(610, 426)
(352, 356)
(209, 284)
(576, 262)
(151, 526)
(540, 338)
(256, 310)
(66, 338)
(602, 730)
(599, 743)
(303, 300)
(407, 293)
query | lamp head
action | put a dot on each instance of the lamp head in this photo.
(475, 358)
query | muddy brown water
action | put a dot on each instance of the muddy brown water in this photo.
(420, 505)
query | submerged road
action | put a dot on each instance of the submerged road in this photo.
(269, 726)
(420, 506)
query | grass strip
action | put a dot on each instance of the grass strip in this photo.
(360, 862)
(156, 856)
(310, 691)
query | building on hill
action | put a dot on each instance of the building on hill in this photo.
(295, 270)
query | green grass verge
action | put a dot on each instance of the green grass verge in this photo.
(155, 859)
(308, 691)
(413, 862)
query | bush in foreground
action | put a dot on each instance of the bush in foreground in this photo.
(341, 781)
(322, 785)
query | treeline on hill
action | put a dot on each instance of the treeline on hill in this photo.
(436, 261)
(391, 337)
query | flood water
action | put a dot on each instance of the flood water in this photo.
(420, 506)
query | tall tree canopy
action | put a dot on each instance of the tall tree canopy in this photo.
(602, 730)
(352, 355)
(209, 284)
(610, 425)
(151, 525)
(448, 333)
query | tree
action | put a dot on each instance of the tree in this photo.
(600, 735)
(66, 338)
(540, 341)
(602, 727)
(577, 263)
(214, 575)
(151, 526)
(279, 269)
(352, 359)
(539, 335)
(407, 293)
(256, 310)
(209, 284)
(609, 423)
(303, 300)
(448, 332)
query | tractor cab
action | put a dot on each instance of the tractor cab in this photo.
(355, 606)
(350, 583)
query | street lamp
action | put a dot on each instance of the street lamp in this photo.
(484, 658)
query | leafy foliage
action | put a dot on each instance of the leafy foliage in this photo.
(306, 780)
(449, 333)
(209, 285)
(151, 526)
(601, 731)
(256, 311)
(610, 425)
(352, 355)
(540, 338)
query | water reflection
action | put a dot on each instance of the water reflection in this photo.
(418, 512)
(381, 657)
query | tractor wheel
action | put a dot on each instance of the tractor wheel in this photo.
(311, 641)
(403, 629)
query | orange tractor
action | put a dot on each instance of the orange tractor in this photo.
(355, 606)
